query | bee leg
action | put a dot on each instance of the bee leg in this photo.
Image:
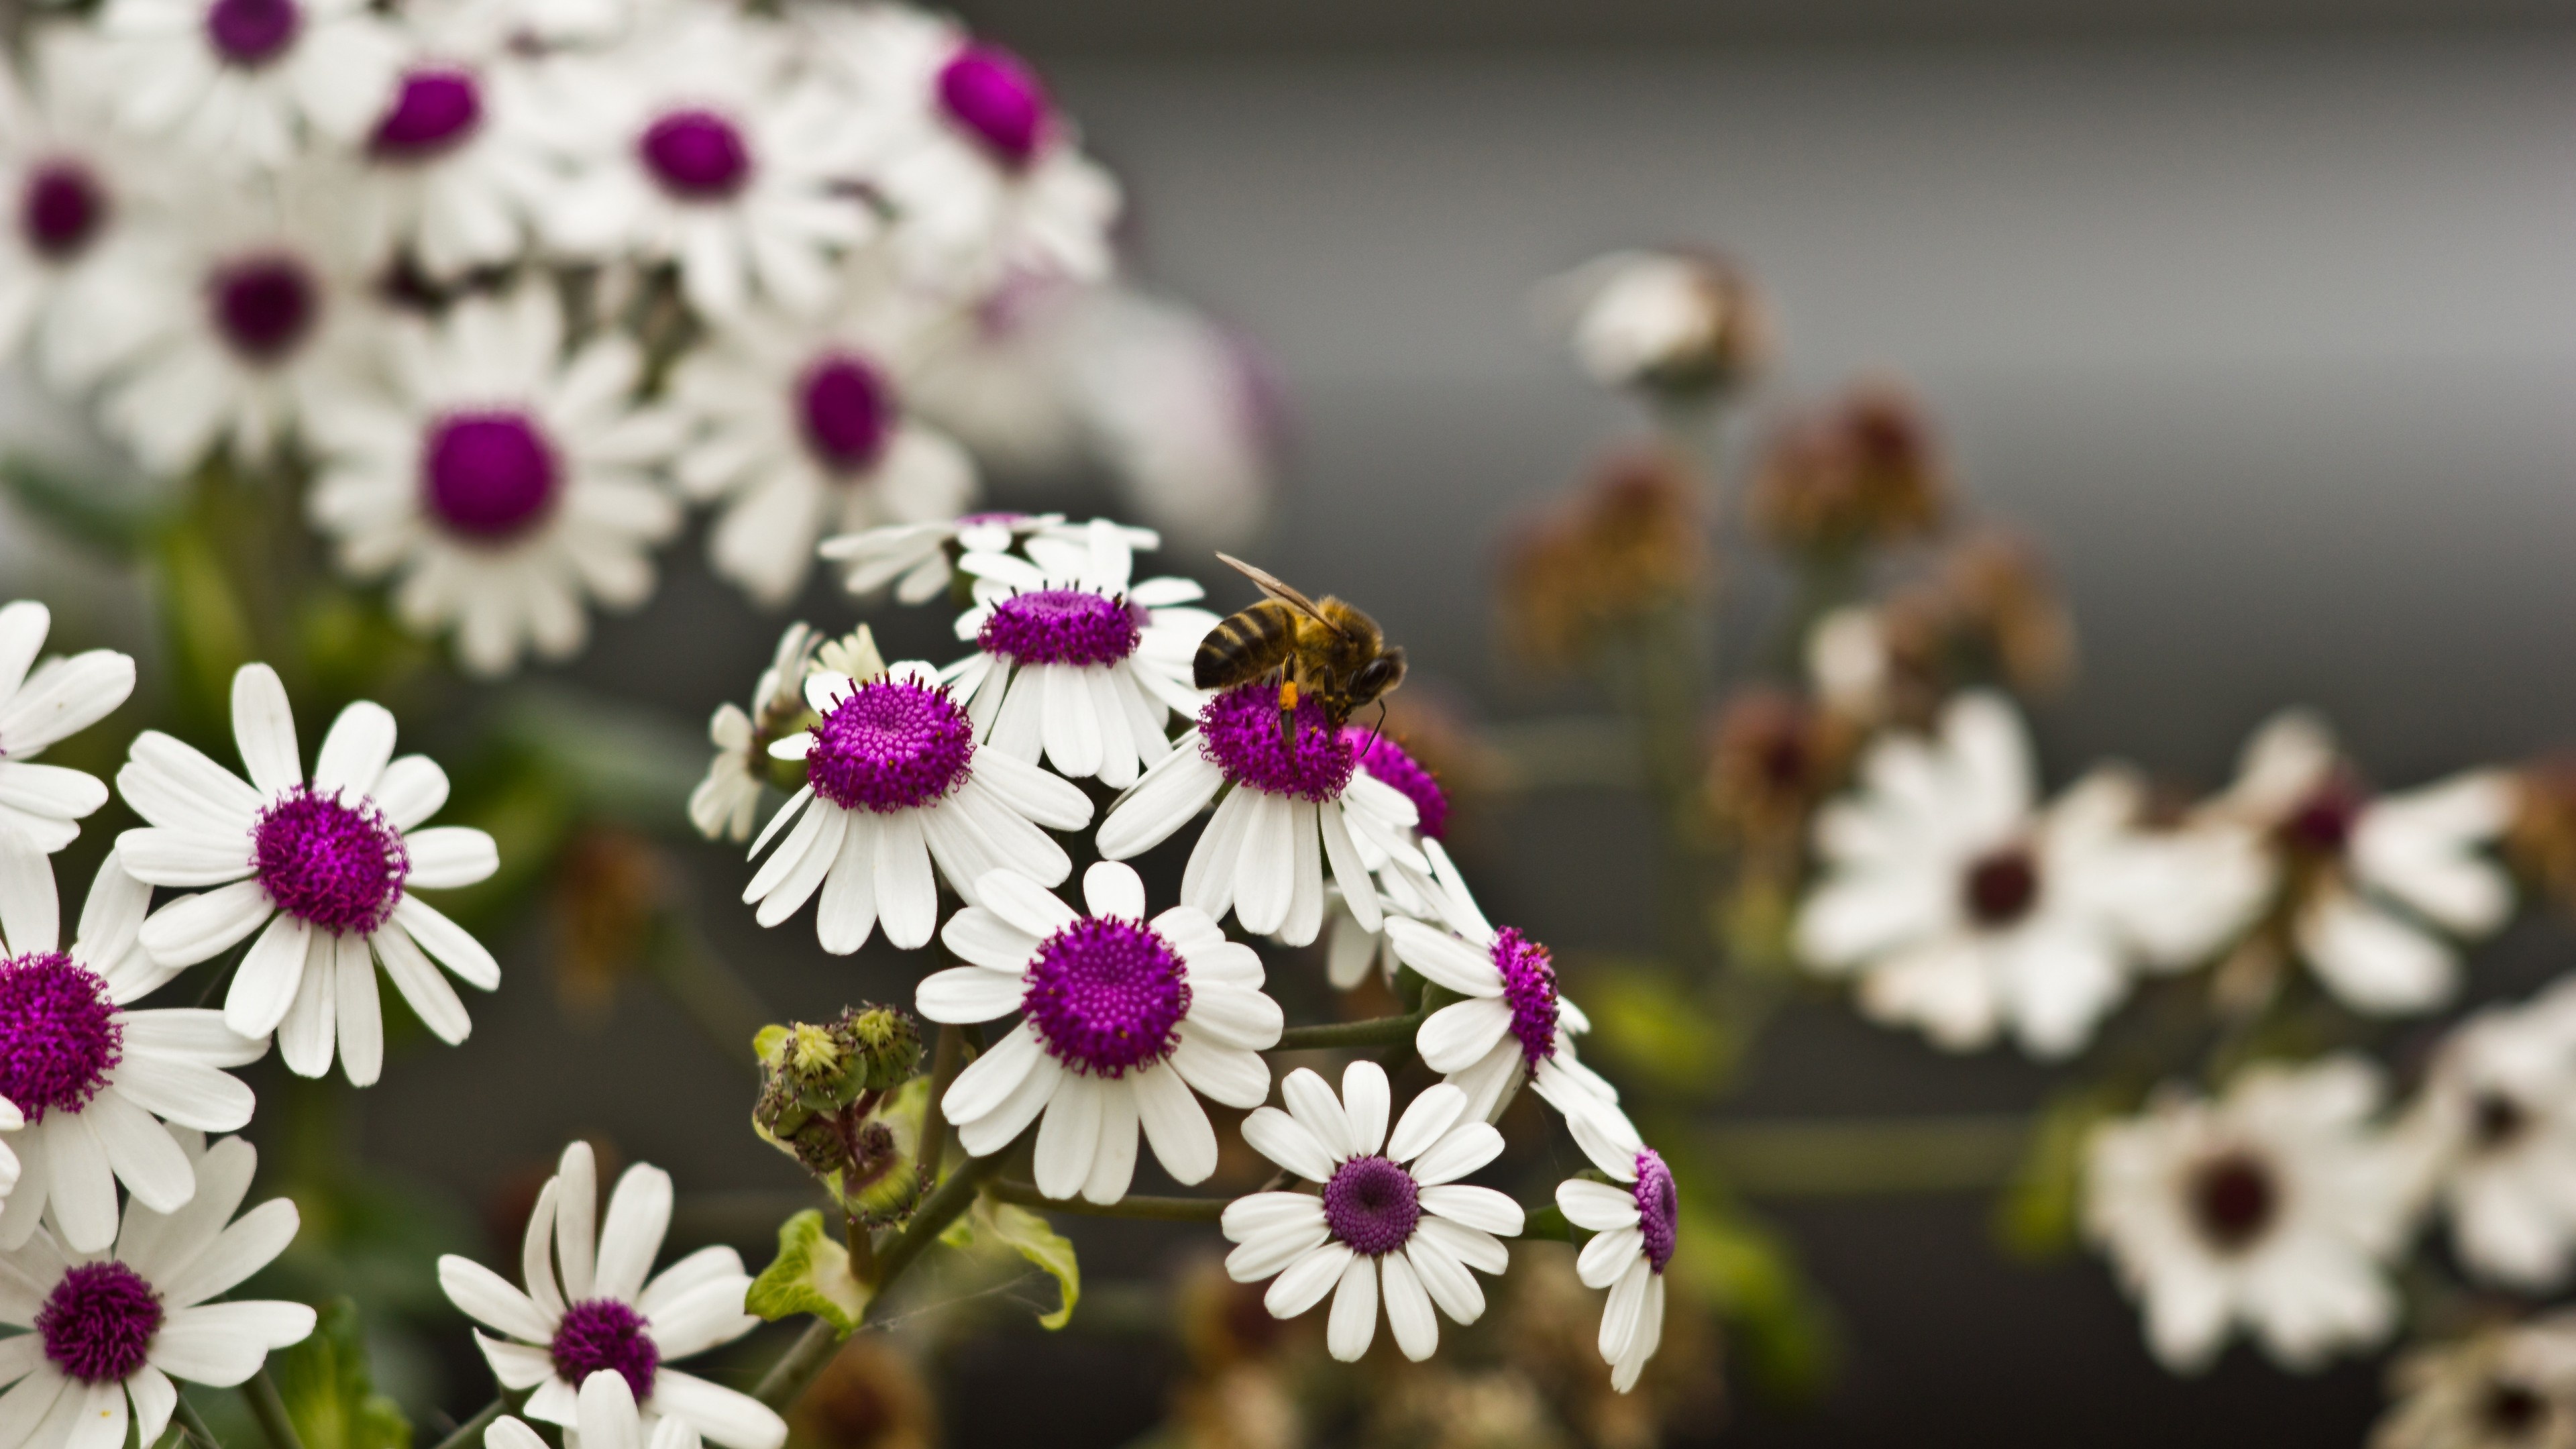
(1288, 713)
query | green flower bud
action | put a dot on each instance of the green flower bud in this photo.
(834, 1096)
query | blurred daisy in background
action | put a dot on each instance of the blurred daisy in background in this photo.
(2494, 1127)
(240, 83)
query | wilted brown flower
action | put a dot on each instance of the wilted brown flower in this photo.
(2541, 844)
(870, 1396)
(1865, 471)
(1447, 1406)
(609, 895)
(1773, 755)
(1630, 542)
(2001, 599)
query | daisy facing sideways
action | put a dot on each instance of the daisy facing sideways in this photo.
(2278, 1206)
(1077, 660)
(1513, 1026)
(1284, 809)
(330, 864)
(2493, 1132)
(898, 796)
(40, 705)
(1121, 1018)
(596, 1309)
(1636, 1221)
(111, 1330)
(85, 1084)
(1393, 1223)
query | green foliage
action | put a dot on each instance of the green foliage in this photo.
(993, 1226)
(1737, 1266)
(328, 1391)
(811, 1274)
(105, 519)
(1650, 1023)
(2035, 1216)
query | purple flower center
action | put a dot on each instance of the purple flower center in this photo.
(2322, 823)
(890, 745)
(1659, 1206)
(253, 32)
(98, 1321)
(846, 409)
(60, 1035)
(1529, 989)
(1239, 733)
(2234, 1199)
(340, 867)
(994, 94)
(1060, 626)
(488, 476)
(61, 210)
(431, 113)
(1387, 761)
(264, 305)
(696, 155)
(1372, 1206)
(2001, 887)
(1107, 995)
(602, 1333)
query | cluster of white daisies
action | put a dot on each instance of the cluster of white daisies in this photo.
(318, 869)
(513, 282)
(919, 775)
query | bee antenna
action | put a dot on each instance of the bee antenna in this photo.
(1378, 730)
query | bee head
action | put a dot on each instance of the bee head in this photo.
(1377, 677)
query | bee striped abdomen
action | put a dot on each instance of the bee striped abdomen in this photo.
(1245, 645)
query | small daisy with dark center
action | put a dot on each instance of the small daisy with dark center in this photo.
(1514, 1026)
(453, 171)
(593, 1308)
(85, 1084)
(2382, 885)
(2280, 1206)
(111, 1330)
(330, 863)
(898, 797)
(2493, 1133)
(1284, 808)
(1121, 1016)
(1967, 909)
(40, 706)
(247, 83)
(1392, 1224)
(726, 804)
(697, 142)
(605, 1416)
(1636, 1219)
(801, 428)
(1075, 658)
(501, 478)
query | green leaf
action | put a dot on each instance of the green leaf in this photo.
(811, 1274)
(328, 1391)
(1000, 1224)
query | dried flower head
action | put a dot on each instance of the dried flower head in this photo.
(1629, 543)
(1867, 470)
(872, 1395)
(609, 894)
(1772, 756)
(2541, 844)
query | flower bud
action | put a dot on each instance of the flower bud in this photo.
(829, 1098)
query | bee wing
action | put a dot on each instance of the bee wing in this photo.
(1270, 584)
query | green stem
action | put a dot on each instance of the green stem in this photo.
(1159, 1209)
(195, 1424)
(1376, 1031)
(788, 1377)
(470, 1433)
(946, 1060)
(269, 1407)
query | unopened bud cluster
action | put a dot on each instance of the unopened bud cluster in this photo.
(828, 1099)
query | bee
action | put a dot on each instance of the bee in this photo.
(1329, 650)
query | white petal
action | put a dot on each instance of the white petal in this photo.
(1408, 1308)
(1281, 1138)
(1305, 1282)
(1112, 888)
(1467, 1147)
(264, 730)
(1175, 1124)
(639, 1214)
(1353, 1323)
(1425, 1120)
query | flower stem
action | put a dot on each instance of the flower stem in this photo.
(269, 1407)
(195, 1424)
(1376, 1031)
(945, 1062)
(788, 1377)
(1161, 1209)
(470, 1433)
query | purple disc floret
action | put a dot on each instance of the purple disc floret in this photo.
(488, 476)
(61, 210)
(1389, 764)
(252, 33)
(846, 410)
(433, 109)
(1659, 1207)
(696, 155)
(1107, 995)
(890, 744)
(1239, 734)
(335, 865)
(1372, 1206)
(264, 306)
(60, 1034)
(1529, 989)
(98, 1322)
(604, 1333)
(1060, 626)
(994, 95)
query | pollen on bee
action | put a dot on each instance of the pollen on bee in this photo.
(1288, 694)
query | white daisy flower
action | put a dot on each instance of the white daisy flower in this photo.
(1849, 662)
(1514, 1027)
(1965, 909)
(598, 1309)
(454, 172)
(59, 698)
(70, 192)
(2508, 1387)
(112, 1331)
(604, 1417)
(981, 171)
(2278, 1206)
(332, 864)
(83, 1079)
(918, 558)
(2495, 1132)
(1393, 1222)
(1074, 659)
(1438, 895)
(1636, 1223)
(2383, 880)
(799, 423)
(725, 803)
(1120, 1018)
(895, 786)
(240, 82)
(694, 144)
(1288, 807)
(502, 479)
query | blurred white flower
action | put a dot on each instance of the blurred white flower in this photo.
(1966, 909)
(2509, 1387)
(723, 805)
(499, 478)
(801, 427)
(1849, 663)
(2279, 1206)
(454, 172)
(1670, 321)
(2494, 1133)
(241, 82)
(70, 188)
(2378, 882)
